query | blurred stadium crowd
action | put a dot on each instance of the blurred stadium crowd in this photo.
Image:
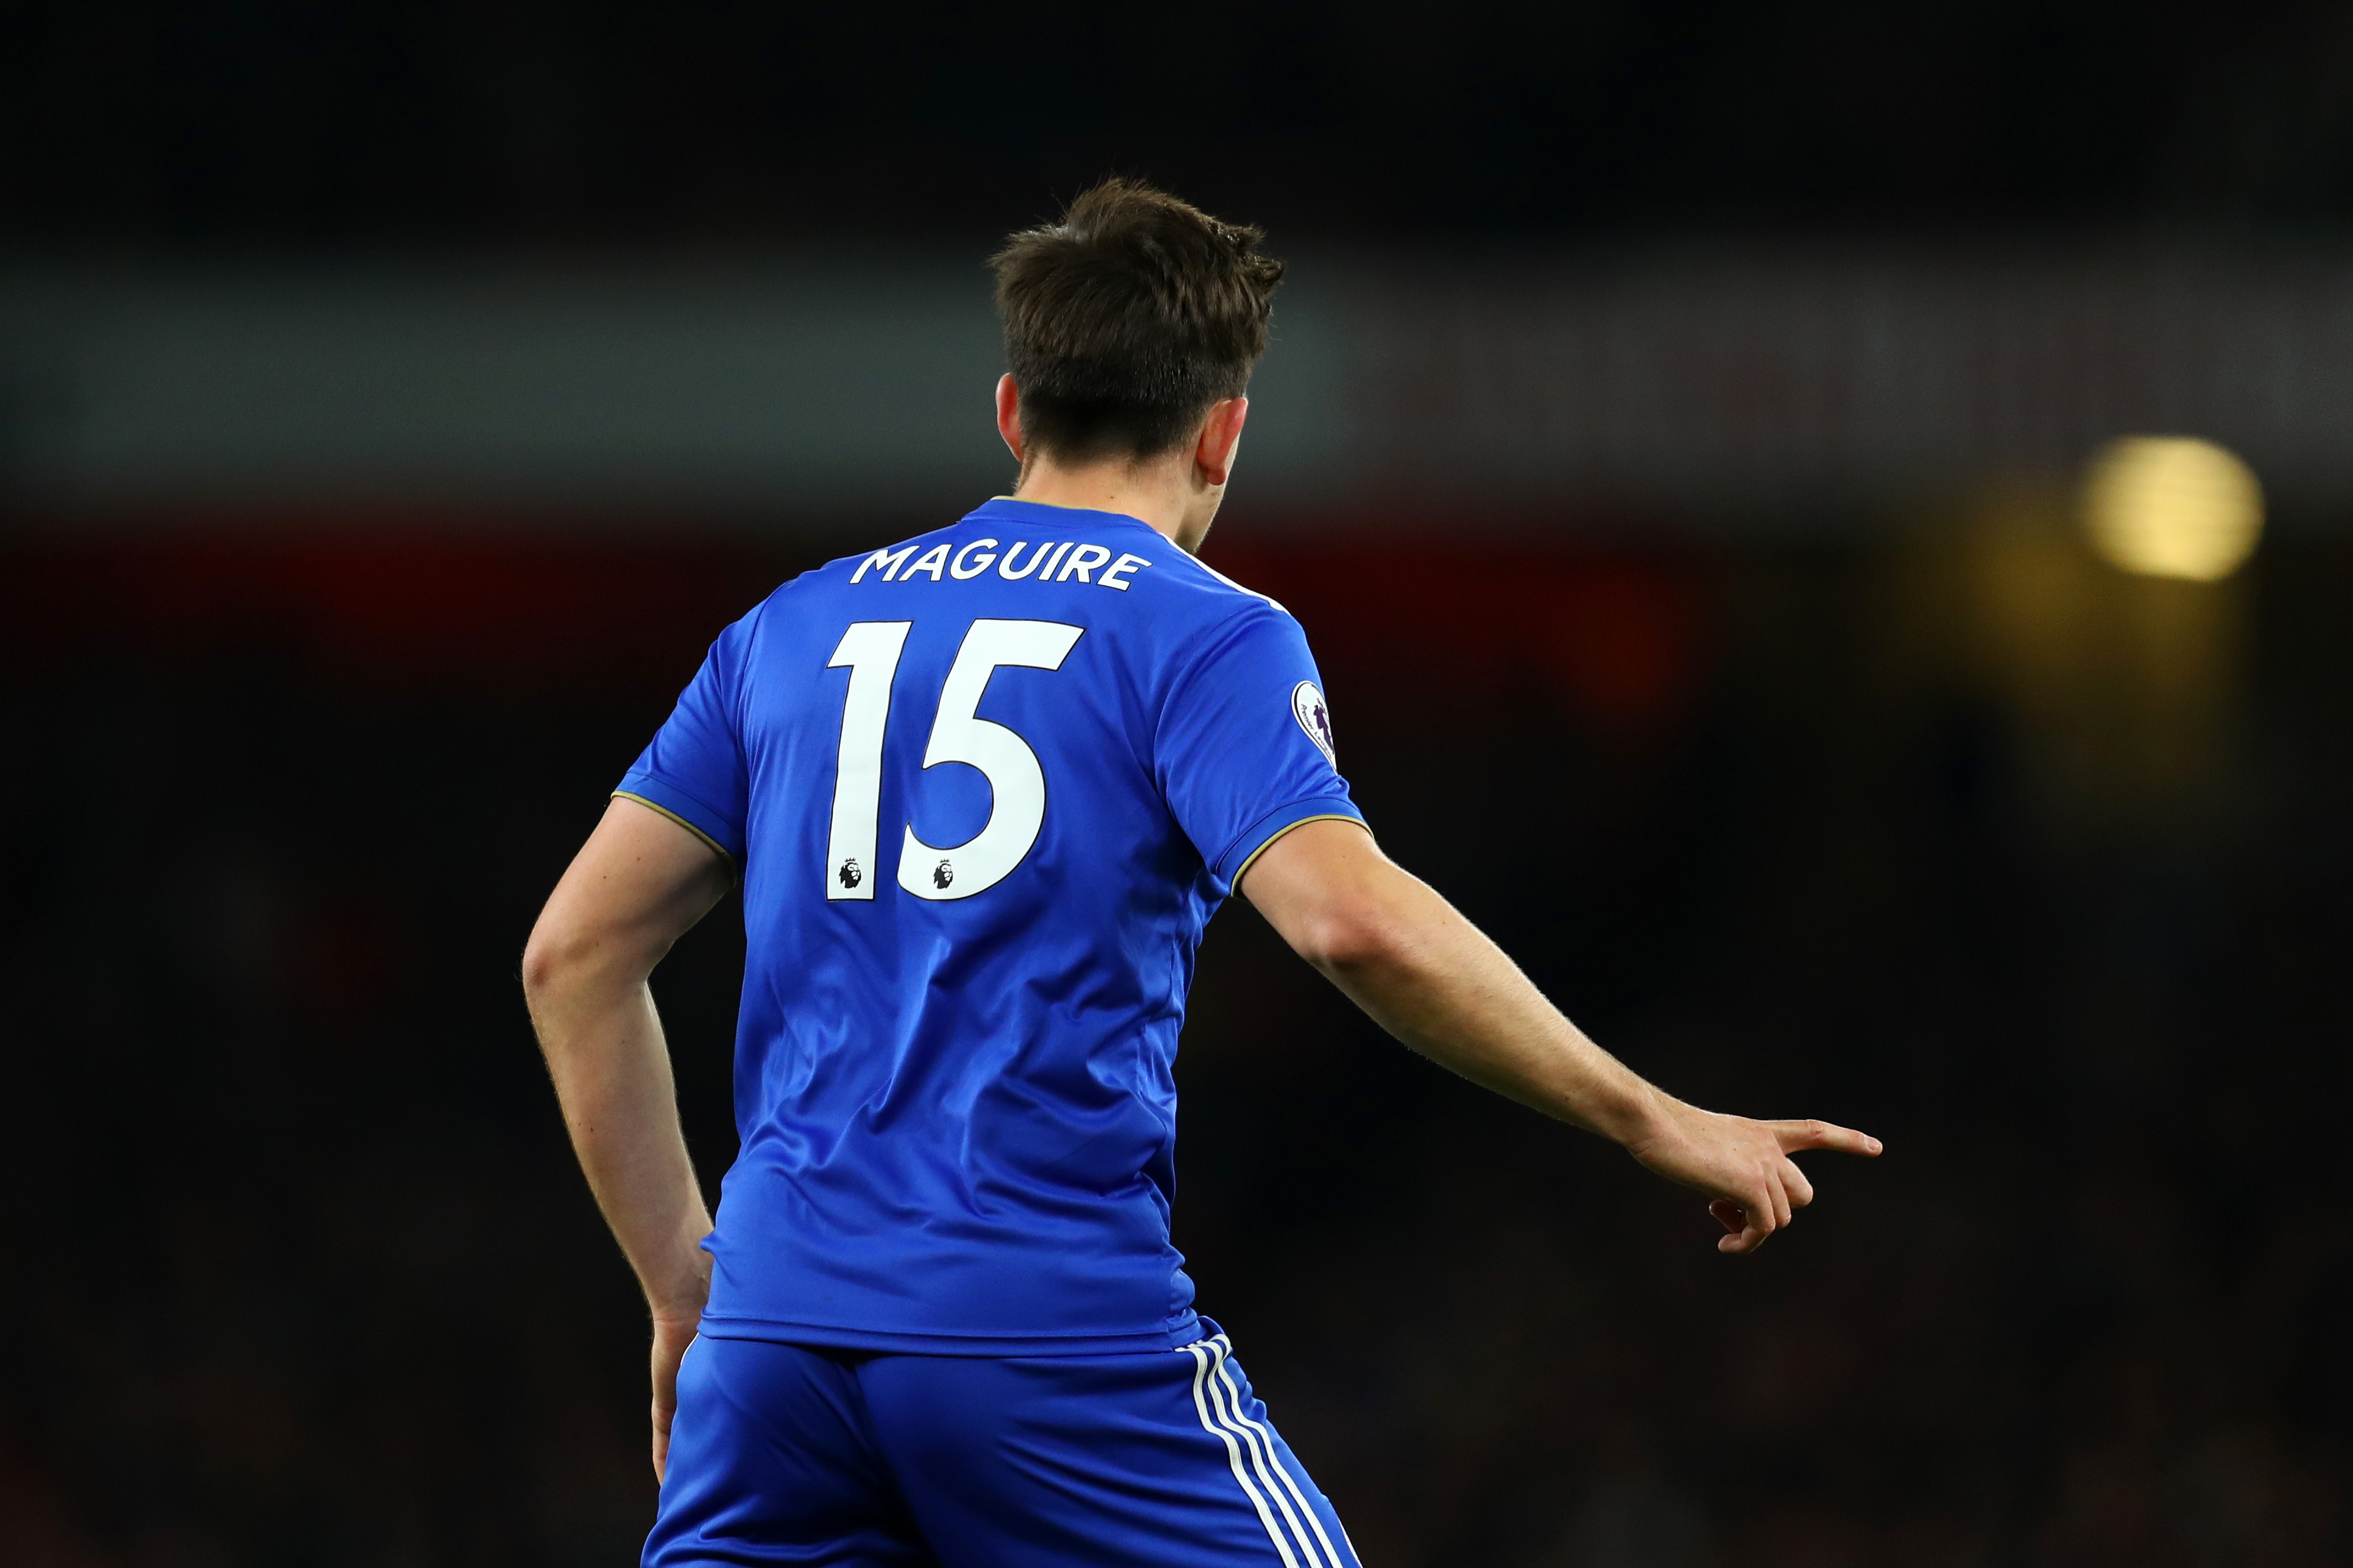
(218, 122)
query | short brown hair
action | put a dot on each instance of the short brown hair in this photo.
(1124, 321)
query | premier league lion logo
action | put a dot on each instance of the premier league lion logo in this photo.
(943, 873)
(1307, 706)
(849, 874)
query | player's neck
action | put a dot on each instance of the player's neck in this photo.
(1164, 494)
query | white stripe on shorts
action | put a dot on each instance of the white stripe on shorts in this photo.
(1229, 1408)
(1201, 1351)
(1276, 1460)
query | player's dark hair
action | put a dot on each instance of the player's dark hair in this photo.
(1124, 321)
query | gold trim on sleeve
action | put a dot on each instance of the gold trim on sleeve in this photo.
(717, 848)
(1272, 838)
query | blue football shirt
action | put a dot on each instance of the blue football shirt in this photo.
(985, 789)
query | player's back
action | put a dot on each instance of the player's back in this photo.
(985, 788)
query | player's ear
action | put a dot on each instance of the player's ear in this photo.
(1009, 418)
(1221, 433)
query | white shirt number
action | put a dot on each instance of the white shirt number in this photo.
(871, 650)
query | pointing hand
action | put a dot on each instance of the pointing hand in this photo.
(1745, 1167)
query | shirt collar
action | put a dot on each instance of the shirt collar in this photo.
(1012, 508)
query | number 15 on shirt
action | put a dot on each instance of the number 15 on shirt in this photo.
(869, 650)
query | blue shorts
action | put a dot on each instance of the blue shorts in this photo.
(786, 1454)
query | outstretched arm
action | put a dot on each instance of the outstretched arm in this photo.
(1431, 978)
(637, 885)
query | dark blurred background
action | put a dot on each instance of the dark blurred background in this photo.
(1690, 446)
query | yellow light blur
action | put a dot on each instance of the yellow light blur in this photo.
(2172, 506)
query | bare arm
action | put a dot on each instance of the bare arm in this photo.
(638, 884)
(1431, 978)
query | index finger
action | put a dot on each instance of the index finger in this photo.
(1796, 1137)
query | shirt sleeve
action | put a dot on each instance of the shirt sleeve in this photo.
(694, 771)
(1245, 743)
